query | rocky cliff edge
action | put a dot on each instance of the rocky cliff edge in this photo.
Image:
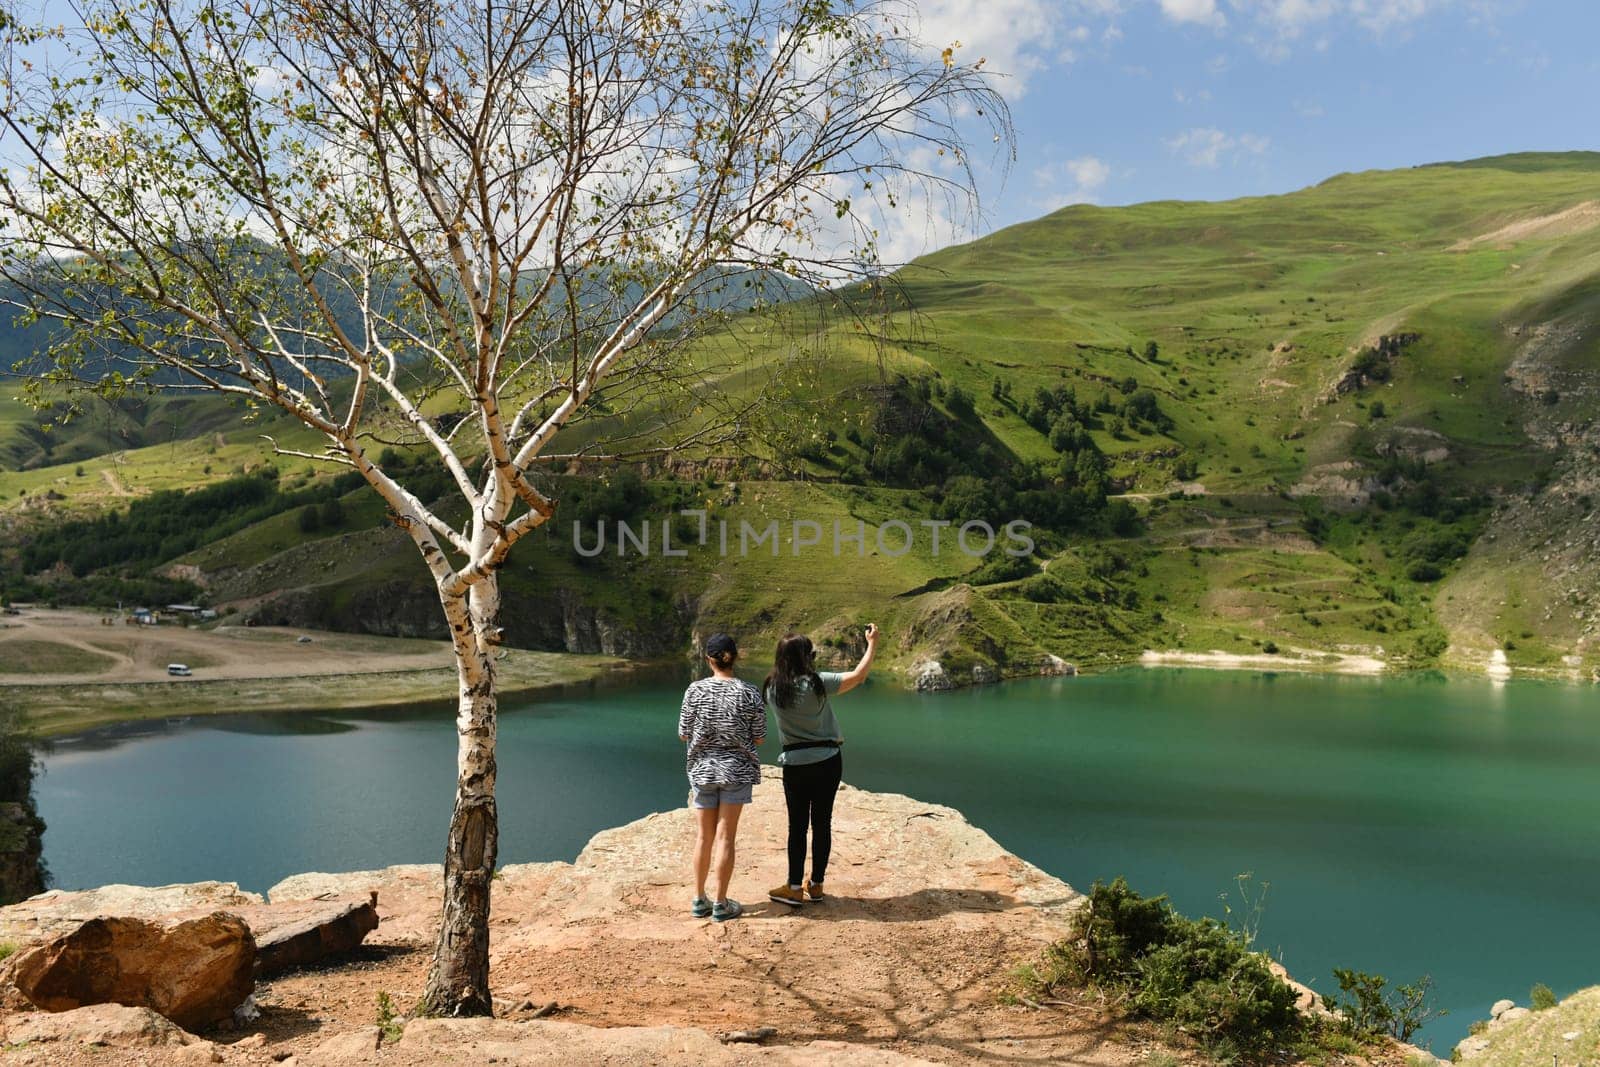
(599, 961)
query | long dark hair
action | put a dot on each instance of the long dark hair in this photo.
(794, 660)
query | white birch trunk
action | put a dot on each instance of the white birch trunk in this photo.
(458, 980)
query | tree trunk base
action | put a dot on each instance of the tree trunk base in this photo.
(458, 980)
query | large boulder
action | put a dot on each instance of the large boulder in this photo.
(296, 933)
(193, 971)
(59, 911)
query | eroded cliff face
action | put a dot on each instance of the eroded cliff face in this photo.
(1530, 578)
(324, 586)
(21, 848)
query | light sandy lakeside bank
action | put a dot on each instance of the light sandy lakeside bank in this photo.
(1297, 659)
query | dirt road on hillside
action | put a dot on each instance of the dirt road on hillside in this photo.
(59, 647)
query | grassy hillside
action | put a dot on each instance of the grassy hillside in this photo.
(1357, 418)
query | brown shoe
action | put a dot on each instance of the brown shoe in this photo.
(814, 892)
(784, 895)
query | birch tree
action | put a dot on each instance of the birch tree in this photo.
(476, 219)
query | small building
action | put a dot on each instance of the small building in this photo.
(184, 609)
(145, 617)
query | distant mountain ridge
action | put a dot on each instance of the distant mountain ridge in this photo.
(1354, 419)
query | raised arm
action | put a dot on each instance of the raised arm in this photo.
(859, 674)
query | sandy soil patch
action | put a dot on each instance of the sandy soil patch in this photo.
(1297, 659)
(1575, 219)
(128, 653)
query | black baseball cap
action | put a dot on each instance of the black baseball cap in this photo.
(719, 643)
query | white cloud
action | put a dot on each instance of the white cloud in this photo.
(1017, 38)
(1381, 16)
(1192, 96)
(1198, 12)
(1075, 181)
(1278, 23)
(1207, 146)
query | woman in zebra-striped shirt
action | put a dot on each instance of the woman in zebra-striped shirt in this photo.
(723, 721)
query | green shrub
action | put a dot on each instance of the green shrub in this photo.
(390, 1025)
(1541, 997)
(1000, 567)
(1371, 1008)
(1198, 974)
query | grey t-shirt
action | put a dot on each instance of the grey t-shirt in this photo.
(810, 719)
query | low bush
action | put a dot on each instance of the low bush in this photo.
(1541, 997)
(1197, 974)
(1371, 1008)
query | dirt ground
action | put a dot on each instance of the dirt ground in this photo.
(63, 647)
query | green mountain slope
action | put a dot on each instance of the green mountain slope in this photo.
(1357, 419)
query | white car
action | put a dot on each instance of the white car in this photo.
(179, 670)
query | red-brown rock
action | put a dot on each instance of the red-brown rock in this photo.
(195, 972)
(297, 933)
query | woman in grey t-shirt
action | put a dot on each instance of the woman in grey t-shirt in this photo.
(812, 763)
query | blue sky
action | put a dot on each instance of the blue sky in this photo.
(1120, 101)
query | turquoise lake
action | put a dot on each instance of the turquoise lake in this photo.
(1407, 826)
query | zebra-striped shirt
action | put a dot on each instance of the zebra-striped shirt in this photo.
(723, 720)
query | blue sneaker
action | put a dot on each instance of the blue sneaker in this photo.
(701, 908)
(723, 910)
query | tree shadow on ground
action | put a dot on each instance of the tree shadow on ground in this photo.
(919, 906)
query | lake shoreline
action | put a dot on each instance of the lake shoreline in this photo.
(1297, 660)
(56, 712)
(71, 673)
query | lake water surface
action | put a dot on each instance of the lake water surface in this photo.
(1406, 825)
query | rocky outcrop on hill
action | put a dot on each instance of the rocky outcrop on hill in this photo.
(1372, 364)
(961, 637)
(1542, 539)
(1513, 1036)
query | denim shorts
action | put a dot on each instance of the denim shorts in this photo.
(716, 795)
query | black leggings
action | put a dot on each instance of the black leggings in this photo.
(808, 791)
